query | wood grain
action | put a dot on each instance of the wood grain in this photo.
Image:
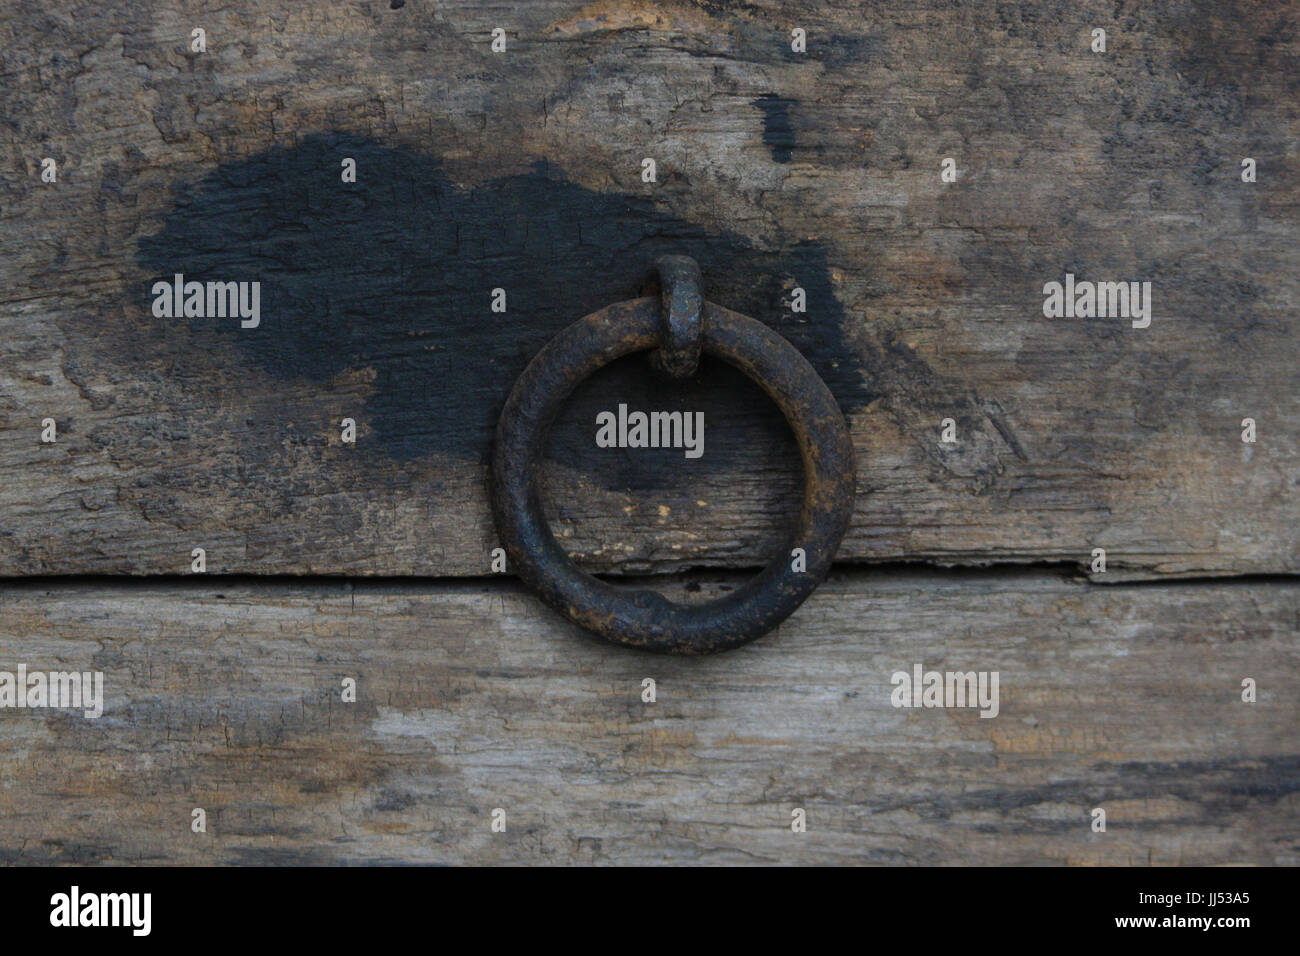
(474, 696)
(522, 170)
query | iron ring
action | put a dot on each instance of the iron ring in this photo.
(641, 618)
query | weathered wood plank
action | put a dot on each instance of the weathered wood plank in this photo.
(521, 170)
(474, 696)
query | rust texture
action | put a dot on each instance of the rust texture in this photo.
(682, 302)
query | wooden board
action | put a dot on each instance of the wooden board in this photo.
(474, 696)
(522, 170)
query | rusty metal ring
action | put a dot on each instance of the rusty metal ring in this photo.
(642, 618)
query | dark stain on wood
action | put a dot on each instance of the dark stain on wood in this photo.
(1220, 785)
(778, 132)
(394, 276)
